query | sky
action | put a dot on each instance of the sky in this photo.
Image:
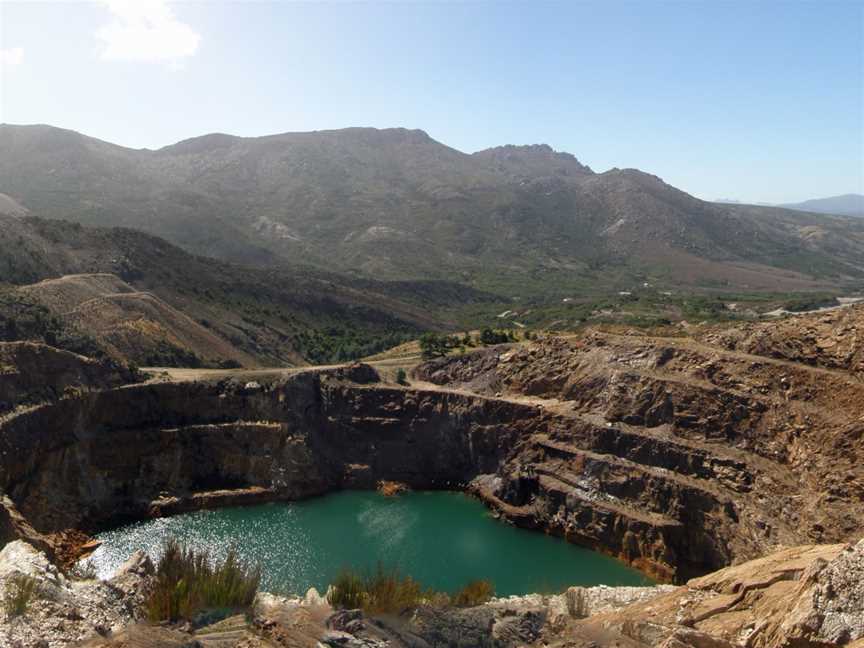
(754, 101)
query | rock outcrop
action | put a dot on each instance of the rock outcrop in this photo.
(64, 610)
(679, 456)
(32, 373)
(157, 448)
(810, 596)
(674, 454)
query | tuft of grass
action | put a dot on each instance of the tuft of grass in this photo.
(383, 591)
(189, 583)
(386, 591)
(20, 592)
(348, 591)
(476, 592)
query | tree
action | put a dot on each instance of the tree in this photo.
(489, 337)
(433, 345)
(401, 377)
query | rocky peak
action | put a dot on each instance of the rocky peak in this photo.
(197, 145)
(532, 160)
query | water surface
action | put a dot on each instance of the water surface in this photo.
(442, 539)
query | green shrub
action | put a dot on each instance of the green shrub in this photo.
(433, 345)
(20, 592)
(474, 593)
(188, 583)
(383, 591)
(401, 377)
(348, 591)
(489, 337)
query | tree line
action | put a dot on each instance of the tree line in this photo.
(434, 345)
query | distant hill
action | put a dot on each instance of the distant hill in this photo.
(845, 205)
(131, 325)
(134, 296)
(395, 204)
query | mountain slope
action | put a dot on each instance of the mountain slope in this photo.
(131, 325)
(270, 315)
(397, 204)
(845, 205)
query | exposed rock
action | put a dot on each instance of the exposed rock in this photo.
(33, 373)
(802, 597)
(673, 455)
(579, 602)
(65, 610)
(13, 525)
(833, 339)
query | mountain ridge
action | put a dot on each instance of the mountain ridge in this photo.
(397, 204)
(850, 204)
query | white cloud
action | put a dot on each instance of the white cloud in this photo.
(11, 56)
(146, 31)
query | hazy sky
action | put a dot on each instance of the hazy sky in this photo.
(759, 101)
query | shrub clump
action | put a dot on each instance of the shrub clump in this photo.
(385, 591)
(20, 592)
(476, 592)
(188, 583)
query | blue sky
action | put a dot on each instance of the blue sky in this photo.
(758, 101)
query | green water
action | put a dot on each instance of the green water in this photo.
(442, 539)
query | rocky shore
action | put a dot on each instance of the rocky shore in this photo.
(803, 597)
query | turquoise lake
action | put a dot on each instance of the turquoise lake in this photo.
(442, 539)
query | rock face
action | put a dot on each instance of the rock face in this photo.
(802, 597)
(64, 610)
(677, 454)
(680, 456)
(33, 373)
(833, 340)
(674, 455)
(148, 449)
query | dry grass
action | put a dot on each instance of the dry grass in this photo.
(476, 592)
(21, 590)
(383, 591)
(189, 583)
(386, 591)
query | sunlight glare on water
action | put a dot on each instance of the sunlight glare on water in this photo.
(442, 539)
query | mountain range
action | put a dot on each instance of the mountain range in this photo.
(394, 204)
(845, 205)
